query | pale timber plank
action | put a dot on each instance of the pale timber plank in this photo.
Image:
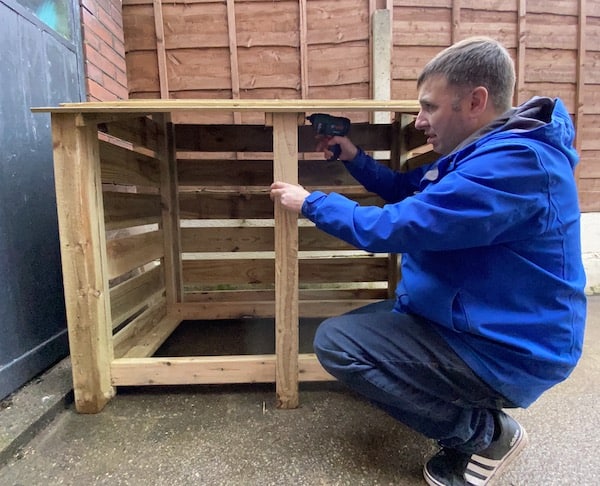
(208, 370)
(285, 168)
(225, 105)
(84, 260)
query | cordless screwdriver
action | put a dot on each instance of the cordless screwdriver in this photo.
(330, 126)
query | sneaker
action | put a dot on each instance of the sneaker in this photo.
(450, 467)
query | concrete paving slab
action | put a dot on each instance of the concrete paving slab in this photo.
(233, 435)
(26, 412)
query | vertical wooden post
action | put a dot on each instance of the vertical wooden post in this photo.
(285, 168)
(398, 158)
(521, 49)
(233, 60)
(170, 209)
(455, 34)
(579, 105)
(303, 27)
(84, 260)
(381, 77)
(381, 89)
(161, 50)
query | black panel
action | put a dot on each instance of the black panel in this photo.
(37, 68)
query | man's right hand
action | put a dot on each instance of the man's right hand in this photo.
(348, 149)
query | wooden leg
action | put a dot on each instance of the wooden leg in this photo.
(83, 250)
(285, 160)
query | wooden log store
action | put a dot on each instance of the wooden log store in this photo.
(162, 223)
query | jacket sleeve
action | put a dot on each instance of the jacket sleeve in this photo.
(499, 195)
(390, 185)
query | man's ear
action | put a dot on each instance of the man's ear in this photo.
(479, 100)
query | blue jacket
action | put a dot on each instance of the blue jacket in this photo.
(490, 244)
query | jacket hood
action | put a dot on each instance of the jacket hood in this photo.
(540, 118)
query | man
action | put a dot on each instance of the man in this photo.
(490, 309)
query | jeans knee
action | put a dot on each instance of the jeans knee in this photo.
(328, 345)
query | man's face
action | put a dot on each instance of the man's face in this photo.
(443, 115)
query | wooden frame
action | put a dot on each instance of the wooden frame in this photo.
(116, 169)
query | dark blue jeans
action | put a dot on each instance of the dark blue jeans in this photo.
(401, 364)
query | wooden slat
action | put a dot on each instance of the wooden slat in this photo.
(205, 174)
(285, 168)
(259, 138)
(589, 162)
(235, 239)
(417, 26)
(126, 254)
(145, 334)
(208, 370)
(260, 272)
(497, 24)
(422, 159)
(242, 205)
(124, 210)
(588, 200)
(223, 105)
(335, 292)
(340, 24)
(237, 310)
(84, 260)
(554, 32)
(139, 131)
(132, 295)
(122, 166)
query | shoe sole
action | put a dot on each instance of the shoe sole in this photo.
(508, 459)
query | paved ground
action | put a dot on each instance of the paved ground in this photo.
(234, 436)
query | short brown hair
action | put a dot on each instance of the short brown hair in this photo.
(476, 61)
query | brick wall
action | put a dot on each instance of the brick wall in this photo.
(103, 50)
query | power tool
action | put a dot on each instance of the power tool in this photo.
(330, 126)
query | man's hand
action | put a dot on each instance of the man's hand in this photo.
(349, 150)
(290, 196)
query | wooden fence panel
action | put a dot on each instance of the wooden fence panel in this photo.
(322, 49)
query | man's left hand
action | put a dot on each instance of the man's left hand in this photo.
(290, 196)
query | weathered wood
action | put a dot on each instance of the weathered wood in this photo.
(303, 27)
(124, 209)
(278, 47)
(141, 132)
(580, 81)
(122, 166)
(169, 209)
(522, 34)
(213, 174)
(455, 35)
(259, 138)
(160, 49)
(84, 260)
